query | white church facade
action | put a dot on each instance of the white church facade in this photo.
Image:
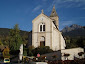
(45, 31)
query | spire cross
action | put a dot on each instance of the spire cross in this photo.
(42, 10)
(54, 6)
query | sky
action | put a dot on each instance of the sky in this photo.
(22, 12)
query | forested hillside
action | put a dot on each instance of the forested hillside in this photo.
(4, 35)
(74, 36)
(5, 32)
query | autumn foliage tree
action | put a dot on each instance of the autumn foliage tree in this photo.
(1, 42)
(6, 52)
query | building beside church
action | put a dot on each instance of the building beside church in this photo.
(73, 54)
(45, 31)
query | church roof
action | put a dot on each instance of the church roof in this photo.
(42, 14)
(53, 13)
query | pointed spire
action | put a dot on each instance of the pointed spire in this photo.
(42, 11)
(53, 13)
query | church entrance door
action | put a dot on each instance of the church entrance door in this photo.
(42, 43)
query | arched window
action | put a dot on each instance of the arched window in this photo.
(42, 27)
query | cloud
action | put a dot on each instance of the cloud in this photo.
(83, 8)
(37, 8)
(67, 3)
(65, 23)
(82, 17)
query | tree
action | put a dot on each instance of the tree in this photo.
(30, 48)
(25, 38)
(1, 43)
(81, 42)
(15, 39)
(6, 52)
(6, 40)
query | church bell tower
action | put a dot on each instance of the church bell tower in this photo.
(55, 17)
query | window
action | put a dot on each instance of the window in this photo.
(41, 27)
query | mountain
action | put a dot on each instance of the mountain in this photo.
(73, 31)
(70, 28)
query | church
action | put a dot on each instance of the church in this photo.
(45, 31)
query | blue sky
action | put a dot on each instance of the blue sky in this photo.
(22, 12)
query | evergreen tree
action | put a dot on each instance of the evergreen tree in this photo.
(15, 39)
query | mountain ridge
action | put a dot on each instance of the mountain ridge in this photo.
(73, 30)
(71, 27)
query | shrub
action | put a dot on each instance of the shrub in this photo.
(54, 57)
(14, 52)
(41, 50)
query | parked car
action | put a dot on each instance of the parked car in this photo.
(6, 60)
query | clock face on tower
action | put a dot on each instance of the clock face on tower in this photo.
(42, 19)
